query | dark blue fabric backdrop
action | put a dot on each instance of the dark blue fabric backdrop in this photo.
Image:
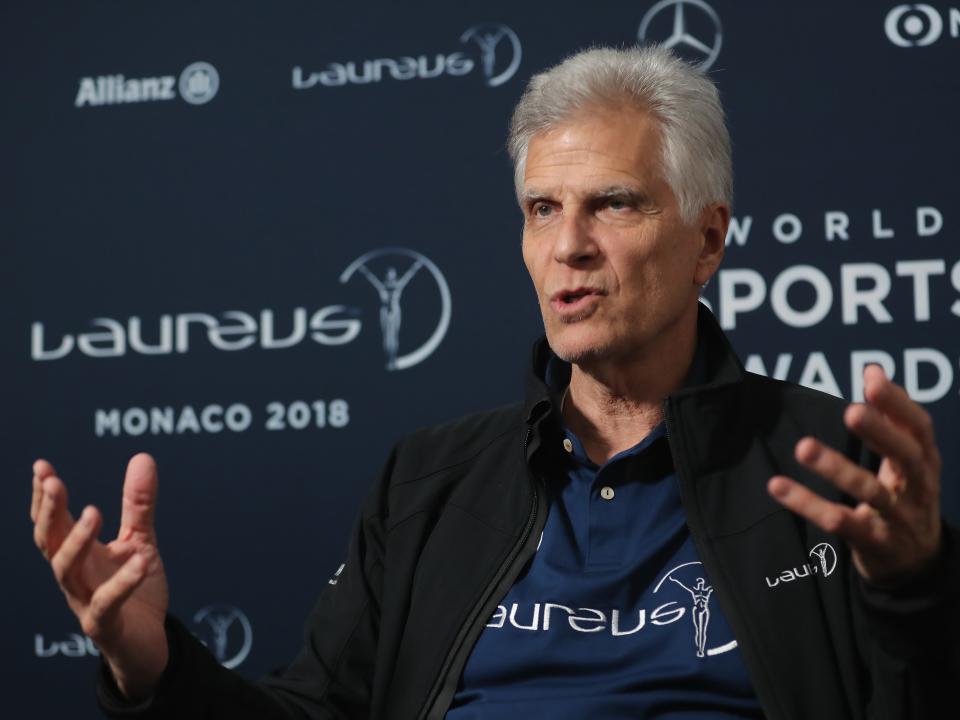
(186, 189)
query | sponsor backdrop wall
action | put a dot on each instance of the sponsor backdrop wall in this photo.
(262, 241)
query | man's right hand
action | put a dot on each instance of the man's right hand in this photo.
(117, 590)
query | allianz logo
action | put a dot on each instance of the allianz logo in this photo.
(499, 54)
(115, 89)
(198, 84)
(823, 561)
(76, 645)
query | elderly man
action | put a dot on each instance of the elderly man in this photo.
(654, 533)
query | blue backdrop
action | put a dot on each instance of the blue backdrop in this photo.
(212, 211)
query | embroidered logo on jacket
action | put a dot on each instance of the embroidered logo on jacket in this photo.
(823, 561)
(336, 576)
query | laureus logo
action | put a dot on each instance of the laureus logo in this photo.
(490, 37)
(389, 271)
(690, 578)
(823, 561)
(498, 58)
(826, 557)
(226, 632)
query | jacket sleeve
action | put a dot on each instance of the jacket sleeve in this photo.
(909, 636)
(911, 639)
(332, 675)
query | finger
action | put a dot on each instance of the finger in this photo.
(849, 477)
(852, 526)
(889, 440)
(121, 550)
(111, 595)
(139, 499)
(893, 400)
(69, 558)
(53, 518)
(41, 470)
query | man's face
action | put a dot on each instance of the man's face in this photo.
(614, 267)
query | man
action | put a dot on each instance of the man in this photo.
(537, 560)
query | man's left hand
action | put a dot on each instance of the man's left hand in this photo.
(894, 531)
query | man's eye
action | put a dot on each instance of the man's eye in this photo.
(617, 204)
(542, 210)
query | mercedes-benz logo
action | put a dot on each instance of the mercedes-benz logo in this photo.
(680, 38)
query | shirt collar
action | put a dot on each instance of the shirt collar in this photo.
(714, 365)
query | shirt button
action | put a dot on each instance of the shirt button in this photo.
(606, 492)
(567, 445)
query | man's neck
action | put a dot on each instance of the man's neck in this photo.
(613, 406)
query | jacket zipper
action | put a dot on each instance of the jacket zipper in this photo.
(769, 703)
(442, 692)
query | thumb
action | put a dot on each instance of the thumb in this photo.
(139, 499)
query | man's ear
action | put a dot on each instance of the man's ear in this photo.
(714, 221)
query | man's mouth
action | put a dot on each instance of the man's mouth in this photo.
(569, 296)
(574, 301)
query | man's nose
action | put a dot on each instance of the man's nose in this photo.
(575, 243)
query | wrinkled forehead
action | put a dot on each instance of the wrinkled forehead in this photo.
(604, 148)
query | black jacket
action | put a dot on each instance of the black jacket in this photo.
(456, 515)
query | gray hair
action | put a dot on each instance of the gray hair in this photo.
(696, 145)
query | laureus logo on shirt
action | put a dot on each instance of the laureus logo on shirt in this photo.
(683, 590)
(690, 577)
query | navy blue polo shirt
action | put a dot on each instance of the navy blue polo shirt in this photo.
(614, 616)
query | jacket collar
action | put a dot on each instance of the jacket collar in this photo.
(721, 367)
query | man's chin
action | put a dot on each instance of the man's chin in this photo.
(577, 351)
